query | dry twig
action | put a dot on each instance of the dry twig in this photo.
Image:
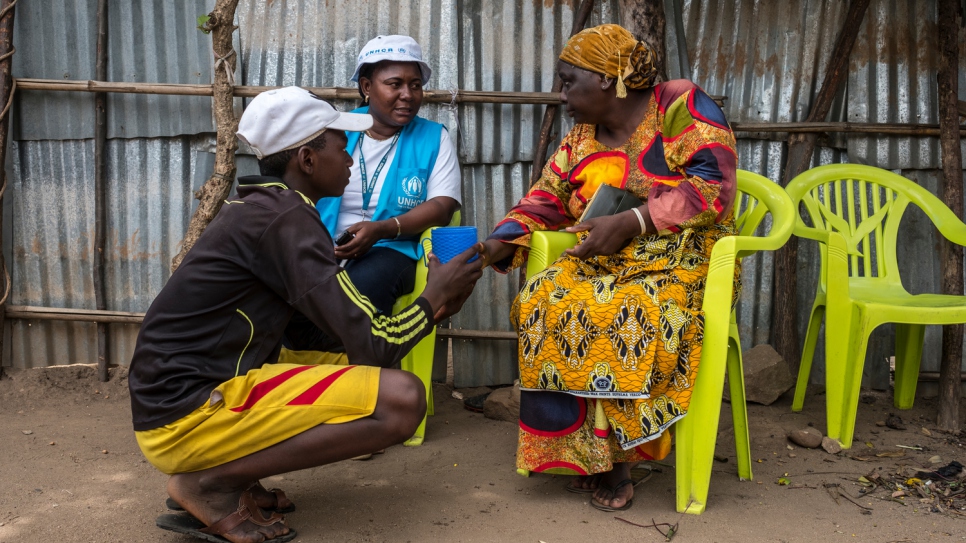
(672, 528)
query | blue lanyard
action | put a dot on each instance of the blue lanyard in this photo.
(369, 187)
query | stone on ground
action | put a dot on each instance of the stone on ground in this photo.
(503, 404)
(767, 376)
(810, 438)
(831, 446)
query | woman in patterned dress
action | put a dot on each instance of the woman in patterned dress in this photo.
(610, 334)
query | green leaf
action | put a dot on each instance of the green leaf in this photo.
(784, 481)
(202, 21)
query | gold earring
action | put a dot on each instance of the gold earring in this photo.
(367, 99)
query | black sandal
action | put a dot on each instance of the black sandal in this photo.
(579, 490)
(613, 494)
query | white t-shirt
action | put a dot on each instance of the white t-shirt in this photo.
(444, 181)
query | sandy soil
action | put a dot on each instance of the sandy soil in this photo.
(71, 471)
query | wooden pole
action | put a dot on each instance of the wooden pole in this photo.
(125, 317)
(550, 113)
(248, 91)
(7, 87)
(801, 146)
(211, 196)
(100, 190)
(580, 19)
(646, 20)
(952, 190)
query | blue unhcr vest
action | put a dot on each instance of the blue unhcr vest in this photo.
(403, 186)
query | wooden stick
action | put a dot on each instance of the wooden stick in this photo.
(100, 191)
(462, 97)
(580, 19)
(895, 129)
(928, 376)
(248, 91)
(65, 314)
(27, 312)
(459, 333)
(550, 113)
(801, 146)
(216, 189)
(6, 98)
(952, 191)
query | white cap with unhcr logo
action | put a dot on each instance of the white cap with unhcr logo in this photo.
(396, 48)
(289, 117)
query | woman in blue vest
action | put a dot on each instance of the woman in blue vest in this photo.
(405, 178)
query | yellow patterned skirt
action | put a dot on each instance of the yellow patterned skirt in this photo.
(609, 348)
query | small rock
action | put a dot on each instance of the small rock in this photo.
(867, 399)
(767, 375)
(831, 446)
(936, 460)
(503, 404)
(895, 422)
(926, 432)
(880, 423)
(27, 432)
(810, 438)
(104, 451)
(792, 455)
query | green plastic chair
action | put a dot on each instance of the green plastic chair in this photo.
(420, 359)
(855, 211)
(696, 433)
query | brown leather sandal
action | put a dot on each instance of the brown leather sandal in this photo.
(282, 503)
(247, 511)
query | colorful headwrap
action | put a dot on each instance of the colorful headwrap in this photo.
(612, 50)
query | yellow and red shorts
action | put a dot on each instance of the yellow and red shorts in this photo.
(266, 406)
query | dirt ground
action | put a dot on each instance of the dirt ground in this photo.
(71, 471)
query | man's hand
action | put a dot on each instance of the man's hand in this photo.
(449, 285)
(606, 235)
(367, 233)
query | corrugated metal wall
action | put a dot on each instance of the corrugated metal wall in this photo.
(768, 58)
(154, 161)
(773, 72)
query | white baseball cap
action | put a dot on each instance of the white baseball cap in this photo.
(289, 117)
(396, 48)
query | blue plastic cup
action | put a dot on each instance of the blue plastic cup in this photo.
(449, 241)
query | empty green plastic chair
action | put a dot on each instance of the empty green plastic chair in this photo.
(855, 212)
(696, 433)
(420, 360)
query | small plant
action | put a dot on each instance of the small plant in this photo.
(203, 23)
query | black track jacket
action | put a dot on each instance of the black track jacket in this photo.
(223, 312)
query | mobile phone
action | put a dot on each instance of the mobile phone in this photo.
(344, 238)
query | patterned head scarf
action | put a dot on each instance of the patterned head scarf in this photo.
(612, 50)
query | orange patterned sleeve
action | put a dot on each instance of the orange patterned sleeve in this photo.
(543, 208)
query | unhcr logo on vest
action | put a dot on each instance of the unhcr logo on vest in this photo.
(413, 189)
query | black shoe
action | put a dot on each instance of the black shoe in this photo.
(475, 403)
